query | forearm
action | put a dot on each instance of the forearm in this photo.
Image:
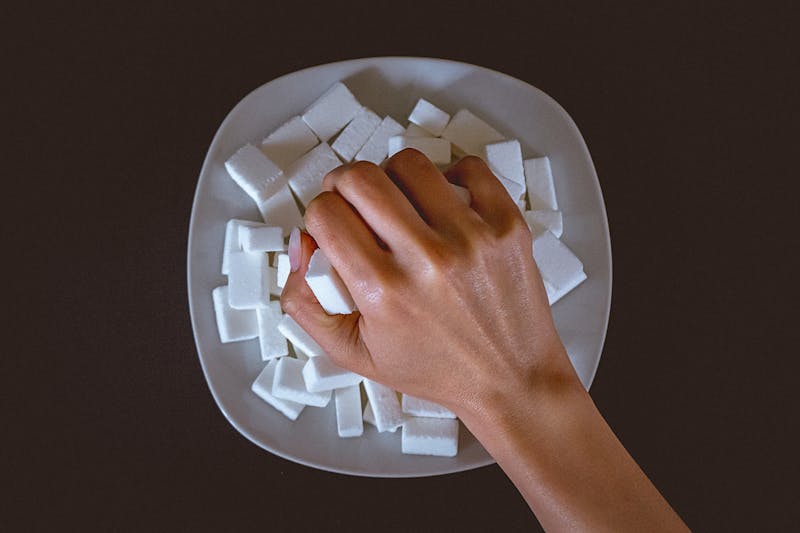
(555, 446)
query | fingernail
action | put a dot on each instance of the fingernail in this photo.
(294, 250)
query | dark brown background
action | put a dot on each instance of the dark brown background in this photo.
(687, 112)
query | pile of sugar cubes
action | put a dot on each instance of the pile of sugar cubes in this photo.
(282, 175)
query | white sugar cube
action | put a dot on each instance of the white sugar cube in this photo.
(462, 193)
(305, 175)
(299, 353)
(418, 407)
(505, 159)
(469, 133)
(262, 387)
(541, 190)
(272, 282)
(551, 292)
(429, 117)
(281, 210)
(261, 238)
(515, 190)
(270, 340)
(540, 221)
(348, 411)
(289, 384)
(369, 417)
(321, 374)
(412, 130)
(435, 149)
(259, 177)
(327, 286)
(288, 142)
(284, 268)
(356, 134)
(247, 281)
(232, 243)
(232, 324)
(430, 436)
(376, 148)
(332, 111)
(557, 264)
(385, 405)
(298, 337)
(555, 294)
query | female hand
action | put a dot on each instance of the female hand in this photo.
(450, 303)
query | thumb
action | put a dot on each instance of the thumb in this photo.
(338, 335)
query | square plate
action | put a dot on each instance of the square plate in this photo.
(389, 85)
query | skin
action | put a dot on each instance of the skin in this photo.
(451, 308)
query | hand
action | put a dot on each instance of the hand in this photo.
(451, 306)
(452, 309)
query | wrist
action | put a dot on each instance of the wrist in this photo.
(536, 399)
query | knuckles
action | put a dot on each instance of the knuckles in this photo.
(472, 163)
(405, 160)
(322, 209)
(349, 175)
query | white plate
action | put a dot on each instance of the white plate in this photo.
(389, 86)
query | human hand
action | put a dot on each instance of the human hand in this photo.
(450, 303)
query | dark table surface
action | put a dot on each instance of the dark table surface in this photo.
(687, 113)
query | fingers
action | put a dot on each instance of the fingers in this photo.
(384, 208)
(338, 335)
(489, 198)
(427, 189)
(348, 243)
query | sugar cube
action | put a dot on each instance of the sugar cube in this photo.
(429, 117)
(291, 140)
(259, 177)
(369, 417)
(469, 133)
(327, 286)
(300, 354)
(557, 264)
(348, 411)
(356, 134)
(321, 374)
(505, 159)
(541, 190)
(284, 268)
(232, 324)
(462, 193)
(262, 387)
(385, 405)
(232, 243)
(412, 130)
(270, 340)
(332, 111)
(305, 175)
(272, 282)
(247, 287)
(261, 238)
(298, 337)
(376, 148)
(281, 210)
(418, 407)
(290, 385)
(435, 149)
(555, 294)
(430, 436)
(540, 221)
(515, 190)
